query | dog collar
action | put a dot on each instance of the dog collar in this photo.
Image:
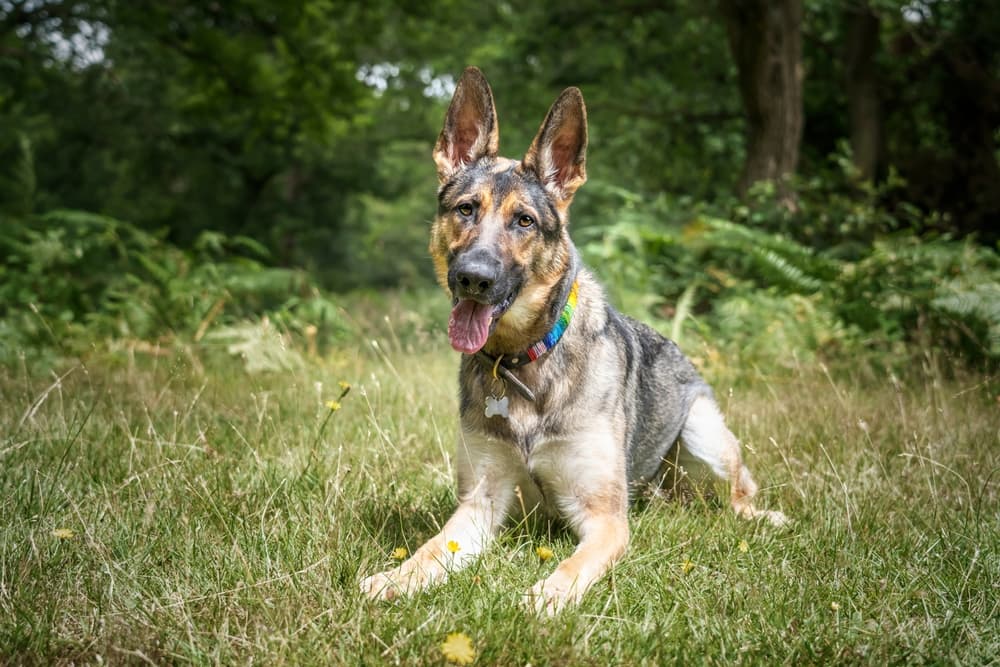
(503, 364)
(550, 339)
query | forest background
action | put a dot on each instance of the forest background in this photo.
(819, 176)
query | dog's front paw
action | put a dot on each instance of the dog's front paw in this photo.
(382, 586)
(777, 519)
(550, 596)
(403, 580)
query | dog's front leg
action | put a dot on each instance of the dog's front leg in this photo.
(486, 480)
(465, 536)
(586, 480)
(603, 540)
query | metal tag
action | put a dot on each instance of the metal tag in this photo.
(497, 407)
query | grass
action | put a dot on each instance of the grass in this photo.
(221, 517)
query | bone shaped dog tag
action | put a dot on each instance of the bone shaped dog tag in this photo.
(496, 407)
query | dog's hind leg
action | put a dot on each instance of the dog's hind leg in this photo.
(706, 438)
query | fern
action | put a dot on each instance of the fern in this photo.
(872, 292)
(261, 347)
(977, 308)
(780, 261)
(82, 276)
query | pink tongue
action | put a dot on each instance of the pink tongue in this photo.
(469, 326)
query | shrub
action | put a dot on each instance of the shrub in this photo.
(70, 277)
(765, 292)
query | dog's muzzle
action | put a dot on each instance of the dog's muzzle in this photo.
(483, 291)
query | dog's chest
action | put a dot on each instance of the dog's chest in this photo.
(549, 416)
(524, 427)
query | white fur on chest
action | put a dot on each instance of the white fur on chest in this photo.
(557, 475)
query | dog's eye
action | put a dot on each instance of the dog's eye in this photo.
(465, 209)
(525, 221)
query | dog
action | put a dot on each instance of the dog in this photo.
(566, 405)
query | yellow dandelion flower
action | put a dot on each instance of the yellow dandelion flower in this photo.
(457, 648)
(399, 553)
(343, 384)
(333, 405)
(744, 547)
(63, 533)
(544, 553)
(453, 546)
(687, 566)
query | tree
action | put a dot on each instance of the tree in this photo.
(864, 106)
(766, 44)
(245, 117)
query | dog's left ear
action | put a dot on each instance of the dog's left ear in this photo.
(558, 154)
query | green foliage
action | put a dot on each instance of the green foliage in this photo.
(976, 307)
(834, 209)
(777, 260)
(773, 298)
(307, 127)
(768, 325)
(17, 173)
(259, 345)
(246, 118)
(70, 277)
(945, 292)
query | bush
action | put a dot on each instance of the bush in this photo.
(766, 293)
(70, 277)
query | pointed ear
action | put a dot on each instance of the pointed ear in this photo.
(470, 126)
(558, 155)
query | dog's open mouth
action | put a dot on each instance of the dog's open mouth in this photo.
(471, 323)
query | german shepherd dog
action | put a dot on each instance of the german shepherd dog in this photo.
(566, 405)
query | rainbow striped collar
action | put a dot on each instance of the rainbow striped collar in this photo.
(504, 364)
(550, 339)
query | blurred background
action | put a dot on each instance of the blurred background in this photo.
(819, 176)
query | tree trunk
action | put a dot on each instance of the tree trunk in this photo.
(864, 107)
(765, 38)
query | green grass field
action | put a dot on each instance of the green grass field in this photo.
(158, 509)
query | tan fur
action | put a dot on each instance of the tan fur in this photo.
(523, 323)
(605, 543)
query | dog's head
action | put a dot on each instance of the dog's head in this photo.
(499, 241)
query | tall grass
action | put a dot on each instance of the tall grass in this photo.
(156, 511)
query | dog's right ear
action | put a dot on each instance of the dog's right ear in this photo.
(470, 126)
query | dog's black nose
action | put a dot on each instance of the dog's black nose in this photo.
(476, 279)
(475, 275)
